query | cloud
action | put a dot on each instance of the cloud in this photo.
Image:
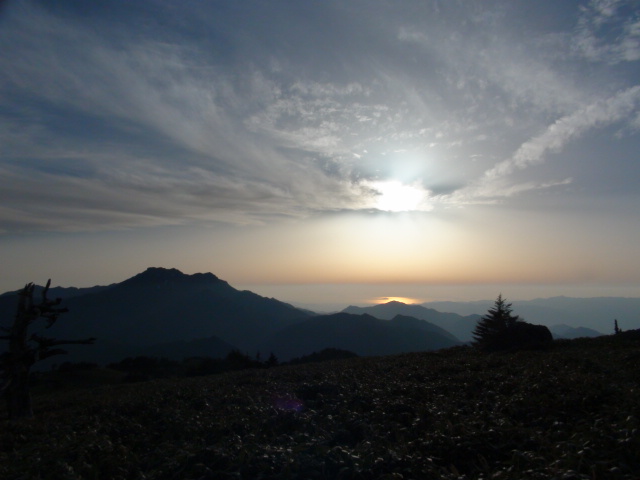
(482, 61)
(567, 128)
(533, 152)
(188, 153)
(243, 120)
(609, 31)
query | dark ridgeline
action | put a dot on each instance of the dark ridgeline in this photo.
(362, 334)
(200, 347)
(565, 331)
(164, 312)
(341, 419)
(596, 313)
(324, 355)
(159, 307)
(460, 327)
(164, 305)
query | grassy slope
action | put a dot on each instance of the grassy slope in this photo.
(571, 412)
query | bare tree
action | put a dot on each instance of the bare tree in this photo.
(24, 350)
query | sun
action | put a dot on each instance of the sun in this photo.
(394, 196)
(406, 300)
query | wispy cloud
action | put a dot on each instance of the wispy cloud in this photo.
(253, 120)
(553, 139)
(567, 128)
(189, 155)
(609, 31)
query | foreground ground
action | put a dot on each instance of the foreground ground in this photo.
(568, 413)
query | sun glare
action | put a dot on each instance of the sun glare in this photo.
(408, 301)
(397, 197)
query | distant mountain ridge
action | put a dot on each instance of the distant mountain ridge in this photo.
(565, 331)
(61, 292)
(170, 276)
(164, 312)
(359, 333)
(597, 313)
(203, 347)
(161, 306)
(458, 326)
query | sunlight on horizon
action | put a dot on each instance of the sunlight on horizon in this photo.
(406, 300)
(216, 137)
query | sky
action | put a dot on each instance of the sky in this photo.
(325, 153)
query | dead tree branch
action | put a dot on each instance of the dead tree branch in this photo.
(24, 351)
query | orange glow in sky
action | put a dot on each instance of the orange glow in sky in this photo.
(407, 300)
(328, 171)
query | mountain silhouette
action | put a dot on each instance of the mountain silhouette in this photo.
(161, 306)
(164, 312)
(460, 327)
(203, 347)
(363, 334)
(596, 313)
(59, 292)
(565, 331)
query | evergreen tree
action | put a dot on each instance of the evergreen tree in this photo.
(272, 361)
(493, 324)
(616, 329)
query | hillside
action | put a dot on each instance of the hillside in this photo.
(595, 313)
(164, 312)
(160, 307)
(572, 412)
(361, 334)
(459, 327)
(565, 331)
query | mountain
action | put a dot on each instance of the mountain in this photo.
(163, 312)
(456, 326)
(60, 292)
(364, 335)
(160, 306)
(565, 331)
(203, 347)
(596, 313)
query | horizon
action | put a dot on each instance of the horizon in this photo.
(330, 298)
(321, 151)
(339, 296)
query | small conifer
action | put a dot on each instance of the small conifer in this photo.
(495, 322)
(616, 329)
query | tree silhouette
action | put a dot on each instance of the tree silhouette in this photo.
(24, 351)
(272, 361)
(491, 328)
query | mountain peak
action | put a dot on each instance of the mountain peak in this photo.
(157, 275)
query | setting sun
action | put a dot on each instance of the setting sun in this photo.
(408, 301)
(397, 197)
(431, 151)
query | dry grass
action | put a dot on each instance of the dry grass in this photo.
(568, 413)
